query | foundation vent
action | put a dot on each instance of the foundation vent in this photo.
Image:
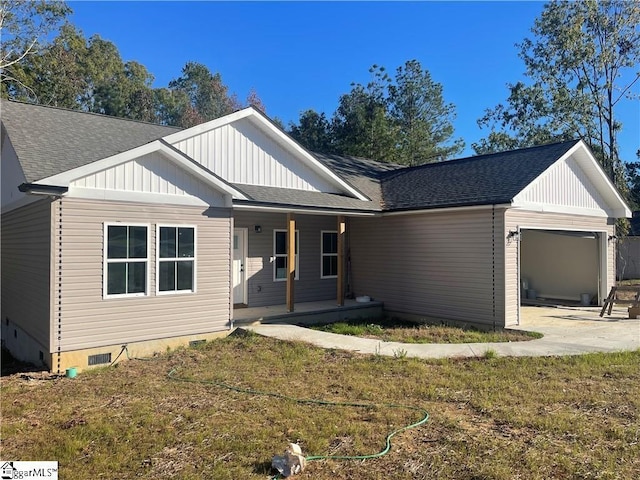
(99, 359)
(195, 343)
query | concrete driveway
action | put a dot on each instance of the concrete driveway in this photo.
(567, 331)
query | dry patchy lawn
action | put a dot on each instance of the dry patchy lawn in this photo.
(503, 418)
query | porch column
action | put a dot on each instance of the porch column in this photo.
(291, 259)
(341, 234)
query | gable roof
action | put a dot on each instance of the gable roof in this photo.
(481, 180)
(51, 140)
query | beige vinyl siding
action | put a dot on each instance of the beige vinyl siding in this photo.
(262, 289)
(89, 320)
(26, 270)
(438, 265)
(516, 218)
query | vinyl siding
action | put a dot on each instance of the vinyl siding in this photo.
(26, 269)
(262, 290)
(438, 265)
(552, 221)
(89, 320)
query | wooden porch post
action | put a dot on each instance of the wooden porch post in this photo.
(340, 282)
(291, 259)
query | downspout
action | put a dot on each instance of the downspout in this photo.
(59, 284)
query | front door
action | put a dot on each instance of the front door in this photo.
(239, 262)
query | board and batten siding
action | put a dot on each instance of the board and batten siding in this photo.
(446, 265)
(26, 271)
(241, 153)
(565, 184)
(88, 320)
(520, 218)
(262, 289)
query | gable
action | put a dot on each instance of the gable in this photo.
(573, 184)
(150, 178)
(246, 148)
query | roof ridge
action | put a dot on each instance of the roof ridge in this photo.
(101, 115)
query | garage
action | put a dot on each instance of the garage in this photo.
(562, 266)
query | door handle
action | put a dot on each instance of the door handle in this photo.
(241, 267)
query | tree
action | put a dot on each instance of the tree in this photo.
(23, 26)
(582, 62)
(361, 124)
(313, 131)
(422, 119)
(207, 97)
(403, 120)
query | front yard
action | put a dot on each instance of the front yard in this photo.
(500, 418)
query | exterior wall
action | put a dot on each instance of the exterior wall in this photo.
(262, 289)
(241, 153)
(516, 218)
(26, 270)
(87, 320)
(447, 266)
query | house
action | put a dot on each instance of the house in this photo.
(117, 232)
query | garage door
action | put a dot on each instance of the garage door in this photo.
(557, 265)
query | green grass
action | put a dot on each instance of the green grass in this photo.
(495, 418)
(394, 330)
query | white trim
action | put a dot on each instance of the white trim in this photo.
(88, 193)
(322, 254)
(176, 259)
(284, 255)
(549, 208)
(266, 125)
(189, 165)
(245, 280)
(106, 261)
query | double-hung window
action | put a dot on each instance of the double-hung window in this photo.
(126, 260)
(176, 255)
(329, 254)
(280, 255)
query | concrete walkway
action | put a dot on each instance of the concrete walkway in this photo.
(567, 331)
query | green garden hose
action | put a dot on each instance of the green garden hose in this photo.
(384, 451)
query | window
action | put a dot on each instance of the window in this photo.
(126, 259)
(280, 255)
(329, 254)
(176, 259)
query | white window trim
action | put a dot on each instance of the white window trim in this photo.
(297, 276)
(106, 261)
(322, 254)
(176, 259)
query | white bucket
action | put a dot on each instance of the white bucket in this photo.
(532, 294)
(585, 299)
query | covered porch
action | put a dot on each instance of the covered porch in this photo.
(325, 311)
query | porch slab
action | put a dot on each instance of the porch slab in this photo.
(307, 313)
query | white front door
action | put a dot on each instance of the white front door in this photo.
(239, 262)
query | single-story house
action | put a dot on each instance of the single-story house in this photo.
(116, 232)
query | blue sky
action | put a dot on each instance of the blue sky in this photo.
(301, 55)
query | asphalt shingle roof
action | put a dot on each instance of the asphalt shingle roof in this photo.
(303, 198)
(482, 180)
(51, 140)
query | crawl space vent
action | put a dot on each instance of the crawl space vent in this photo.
(100, 358)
